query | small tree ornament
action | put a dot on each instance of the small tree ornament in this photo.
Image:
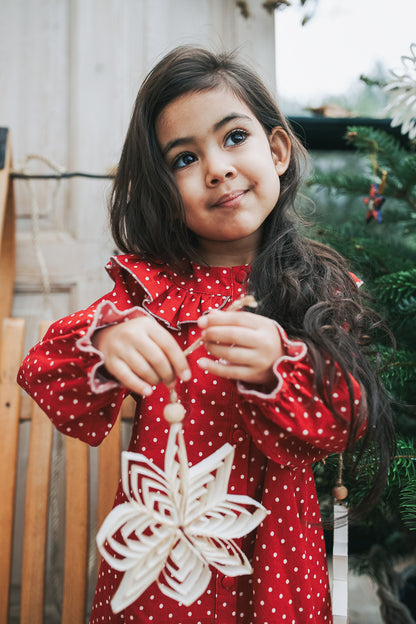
(176, 523)
(375, 200)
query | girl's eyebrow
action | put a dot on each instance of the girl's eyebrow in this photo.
(217, 126)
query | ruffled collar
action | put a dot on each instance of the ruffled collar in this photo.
(175, 298)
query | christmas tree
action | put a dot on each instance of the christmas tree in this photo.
(367, 211)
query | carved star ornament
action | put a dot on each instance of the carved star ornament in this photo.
(177, 523)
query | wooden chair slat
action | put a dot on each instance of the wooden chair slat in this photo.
(76, 532)
(36, 518)
(10, 358)
(128, 409)
(36, 514)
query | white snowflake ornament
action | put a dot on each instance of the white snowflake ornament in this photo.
(402, 95)
(177, 522)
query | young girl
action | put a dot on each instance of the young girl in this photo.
(201, 207)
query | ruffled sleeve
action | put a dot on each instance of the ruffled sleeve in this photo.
(56, 373)
(106, 314)
(291, 424)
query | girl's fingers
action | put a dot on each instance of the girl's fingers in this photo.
(144, 346)
(168, 359)
(238, 336)
(240, 328)
(233, 354)
(231, 319)
(123, 373)
(222, 368)
(159, 363)
(243, 346)
(140, 367)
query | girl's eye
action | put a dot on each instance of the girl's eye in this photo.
(183, 160)
(235, 137)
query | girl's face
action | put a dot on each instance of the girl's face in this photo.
(226, 168)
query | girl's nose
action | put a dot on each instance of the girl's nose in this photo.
(219, 171)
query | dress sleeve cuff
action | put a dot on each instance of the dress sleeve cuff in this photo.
(105, 315)
(293, 351)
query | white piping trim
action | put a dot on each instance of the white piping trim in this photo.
(241, 387)
(149, 299)
(98, 383)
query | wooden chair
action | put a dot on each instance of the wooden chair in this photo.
(37, 497)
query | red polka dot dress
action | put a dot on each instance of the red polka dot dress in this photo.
(277, 436)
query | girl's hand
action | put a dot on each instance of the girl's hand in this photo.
(140, 353)
(245, 346)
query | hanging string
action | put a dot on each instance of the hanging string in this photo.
(22, 172)
(35, 217)
(376, 170)
(18, 175)
(372, 155)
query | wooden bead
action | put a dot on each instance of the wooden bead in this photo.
(340, 492)
(174, 412)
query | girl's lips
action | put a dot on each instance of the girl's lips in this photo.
(230, 200)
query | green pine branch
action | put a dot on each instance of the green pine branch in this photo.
(384, 256)
(398, 369)
(341, 182)
(386, 153)
(403, 467)
(370, 256)
(402, 472)
(398, 288)
(408, 505)
(396, 502)
(375, 142)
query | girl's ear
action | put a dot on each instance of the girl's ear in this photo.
(281, 148)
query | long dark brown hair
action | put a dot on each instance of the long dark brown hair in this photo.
(303, 285)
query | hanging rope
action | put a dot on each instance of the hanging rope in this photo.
(17, 175)
(23, 172)
(20, 173)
